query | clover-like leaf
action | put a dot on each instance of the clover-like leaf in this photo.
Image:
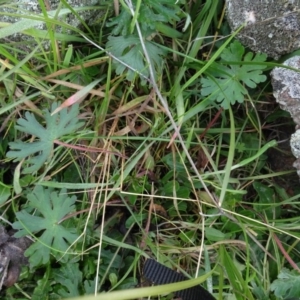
(50, 207)
(39, 151)
(129, 51)
(225, 83)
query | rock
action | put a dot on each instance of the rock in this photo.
(32, 7)
(286, 87)
(272, 26)
(295, 143)
(11, 256)
(286, 90)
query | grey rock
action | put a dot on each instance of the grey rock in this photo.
(295, 143)
(286, 90)
(11, 256)
(271, 26)
(296, 165)
(32, 7)
(286, 87)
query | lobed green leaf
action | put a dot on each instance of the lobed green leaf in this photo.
(51, 208)
(151, 13)
(40, 151)
(129, 50)
(70, 277)
(225, 83)
(287, 285)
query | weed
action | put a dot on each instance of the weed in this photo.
(155, 146)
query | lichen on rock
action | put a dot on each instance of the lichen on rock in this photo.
(295, 143)
(286, 90)
(26, 9)
(271, 26)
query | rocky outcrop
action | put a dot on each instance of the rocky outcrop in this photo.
(286, 90)
(271, 26)
(17, 12)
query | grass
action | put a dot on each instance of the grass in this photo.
(158, 169)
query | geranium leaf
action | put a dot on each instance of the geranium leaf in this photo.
(225, 84)
(287, 285)
(39, 151)
(70, 277)
(129, 50)
(151, 13)
(51, 207)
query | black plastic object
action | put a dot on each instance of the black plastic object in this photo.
(159, 274)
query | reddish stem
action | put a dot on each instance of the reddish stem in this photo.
(211, 123)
